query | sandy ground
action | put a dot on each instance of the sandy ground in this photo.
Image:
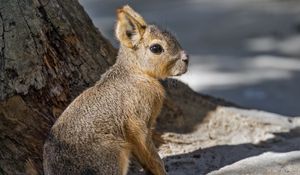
(246, 51)
(236, 142)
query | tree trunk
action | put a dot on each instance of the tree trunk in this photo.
(49, 52)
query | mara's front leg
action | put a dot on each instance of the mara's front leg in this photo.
(143, 148)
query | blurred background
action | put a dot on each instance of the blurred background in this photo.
(245, 51)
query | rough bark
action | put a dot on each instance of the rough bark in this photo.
(49, 52)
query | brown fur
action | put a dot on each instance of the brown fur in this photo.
(30, 168)
(113, 120)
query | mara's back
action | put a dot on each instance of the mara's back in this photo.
(94, 124)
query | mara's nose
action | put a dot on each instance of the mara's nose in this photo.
(185, 57)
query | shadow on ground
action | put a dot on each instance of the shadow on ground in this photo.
(184, 108)
(206, 160)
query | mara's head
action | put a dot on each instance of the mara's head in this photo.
(155, 51)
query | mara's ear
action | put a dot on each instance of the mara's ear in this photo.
(130, 26)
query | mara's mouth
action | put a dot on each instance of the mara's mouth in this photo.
(181, 72)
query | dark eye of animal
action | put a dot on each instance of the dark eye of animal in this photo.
(156, 48)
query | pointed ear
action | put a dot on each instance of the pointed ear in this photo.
(130, 26)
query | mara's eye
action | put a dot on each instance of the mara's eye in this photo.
(156, 48)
